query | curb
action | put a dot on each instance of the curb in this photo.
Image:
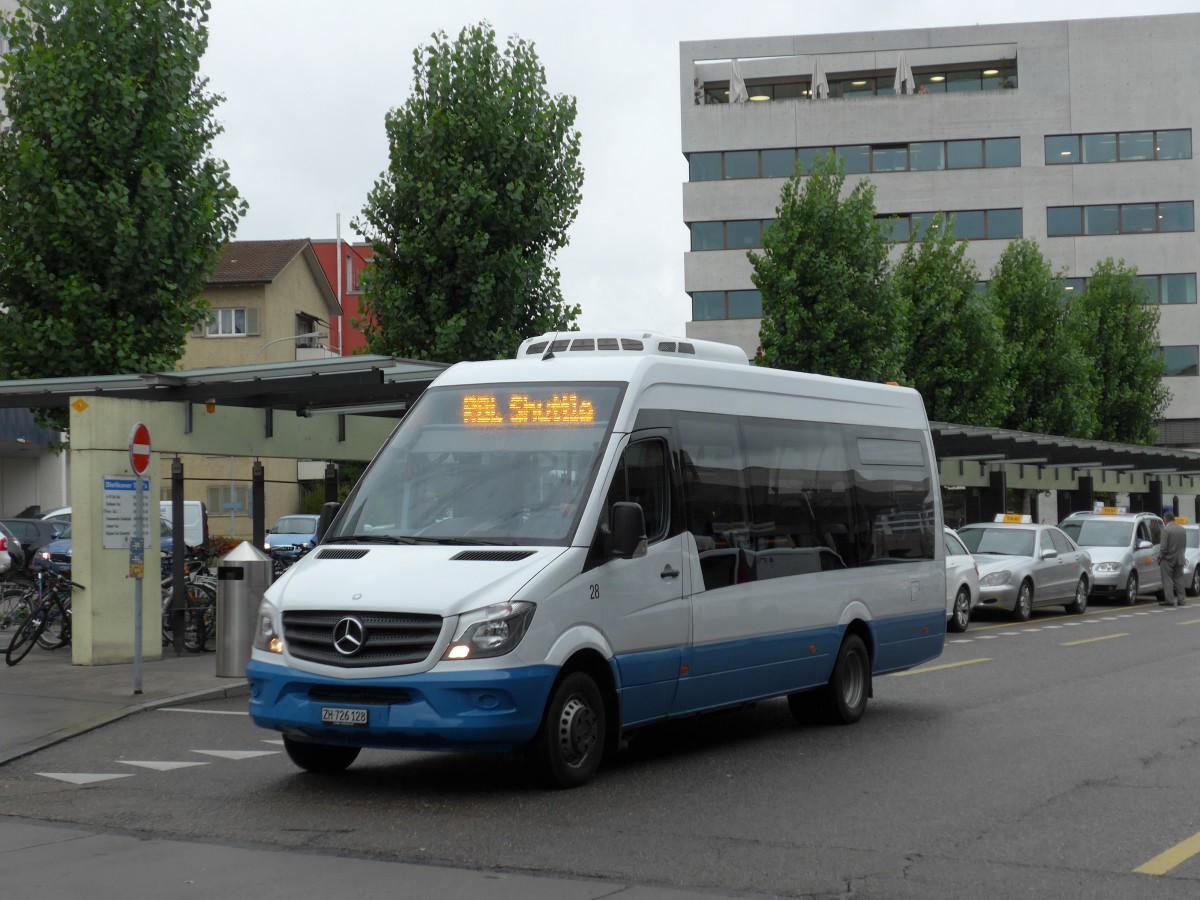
(64, 734)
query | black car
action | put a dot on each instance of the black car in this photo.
(19, 556)
(32, 535)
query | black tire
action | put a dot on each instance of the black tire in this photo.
(1023, 606)
(960, 616)
(23, 640)
(1078, 606)
(1131, 589)
(844, 699)
(1195, 589)
(14, 608)
(320, 759)
(569, 743)
(56, 632)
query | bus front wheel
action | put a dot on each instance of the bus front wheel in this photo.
(320, 759)
(567, 749)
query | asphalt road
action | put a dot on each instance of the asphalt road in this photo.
(1053, 759)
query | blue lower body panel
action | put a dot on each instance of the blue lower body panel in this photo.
(484, 710)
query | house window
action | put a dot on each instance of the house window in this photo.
(228, 500)
(1181, 360)
(235, 322)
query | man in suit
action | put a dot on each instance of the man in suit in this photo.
(1174, 546)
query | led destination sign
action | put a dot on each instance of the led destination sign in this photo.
(521, 409)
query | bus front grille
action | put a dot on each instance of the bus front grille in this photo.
(356, 640)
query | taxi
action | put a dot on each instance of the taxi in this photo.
(1024, 564)
(1191, 556)
(1125, 549)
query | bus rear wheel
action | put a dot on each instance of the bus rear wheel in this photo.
(844, 699)
(320, 759)
(570, 742)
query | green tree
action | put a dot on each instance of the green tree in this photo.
(1120, 334)
(956, 353)
(1052, 391)
(482, 183)
(828, 302)
(112, 210)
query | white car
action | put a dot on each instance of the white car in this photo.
(962, 582)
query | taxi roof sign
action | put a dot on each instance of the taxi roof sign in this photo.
(1111, 510)
(1013, 519)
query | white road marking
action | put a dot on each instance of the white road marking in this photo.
(237, 754)
(206, 712)
(80, 777)
(160, 766)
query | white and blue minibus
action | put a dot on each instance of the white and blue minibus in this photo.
(608, 531)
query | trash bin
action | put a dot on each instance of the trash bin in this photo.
(243, 576)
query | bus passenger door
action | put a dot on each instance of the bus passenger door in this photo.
(645, 614)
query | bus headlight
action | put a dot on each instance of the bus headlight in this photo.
(266, 637)
(491, 631)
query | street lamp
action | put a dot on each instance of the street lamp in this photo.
(294, 337)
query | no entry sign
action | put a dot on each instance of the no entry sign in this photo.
(139, 448)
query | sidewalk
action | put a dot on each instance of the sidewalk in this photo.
(45, 699)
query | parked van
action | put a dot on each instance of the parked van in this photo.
(606, 532)
(195, 521)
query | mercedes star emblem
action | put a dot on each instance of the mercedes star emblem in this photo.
(349, 634)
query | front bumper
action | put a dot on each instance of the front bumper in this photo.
(489, 710)
(1003, 596)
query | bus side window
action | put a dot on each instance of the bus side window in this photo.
(642, 478)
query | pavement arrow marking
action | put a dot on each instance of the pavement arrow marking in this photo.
(238, 754)
(80, 777)
(159, 766)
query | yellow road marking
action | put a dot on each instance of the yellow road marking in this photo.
(1189, 622)
(1107, 637)
(1169, 859)
(966, 662)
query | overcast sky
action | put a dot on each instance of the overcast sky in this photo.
(307, 84)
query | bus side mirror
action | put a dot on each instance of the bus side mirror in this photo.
(328, 512)
(628, 530)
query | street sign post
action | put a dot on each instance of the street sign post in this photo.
(139, 459)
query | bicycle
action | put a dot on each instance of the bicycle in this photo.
(200, 602)
(48, 623)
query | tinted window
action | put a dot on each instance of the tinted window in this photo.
(1003, 224)
(1179, 288)
(857, 159)
(708, 235)
(1100, 219)
(806, 156)
(1175, 144)
(1002, 152)
(708, 305)
(928, 156)
(778, 163)
(743, 234)
(745, 304)
(1099, 148)
(1182, 360)
(1063, 220)
(1138, 218)
(741, 164)
(704, 167)
(969, 225)
(643, 478)
(1175, 217)
(1062, 149)
(890, 159)
(1136, 145)
(964, 154)
(1061, 544)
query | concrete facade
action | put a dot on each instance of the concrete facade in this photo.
(1080, 77)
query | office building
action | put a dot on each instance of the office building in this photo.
(1076, 134)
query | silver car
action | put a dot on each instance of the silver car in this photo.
(1125, 549)
(1191, 559)
(962, 582)
(1023, 564)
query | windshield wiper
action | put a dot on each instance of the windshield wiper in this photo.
(453, 541)
(371, 539)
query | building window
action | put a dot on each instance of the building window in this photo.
(1123, 146)
(859, 159)
(711, 306)
(1125, 218)
(228, 500)
(1073, 287)
(740, 234)
(1170, 290)
(969, 225)
(1181, 360)
(236, 322)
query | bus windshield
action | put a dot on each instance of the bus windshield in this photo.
(485, 464)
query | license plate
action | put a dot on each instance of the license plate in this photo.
(340, 715)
